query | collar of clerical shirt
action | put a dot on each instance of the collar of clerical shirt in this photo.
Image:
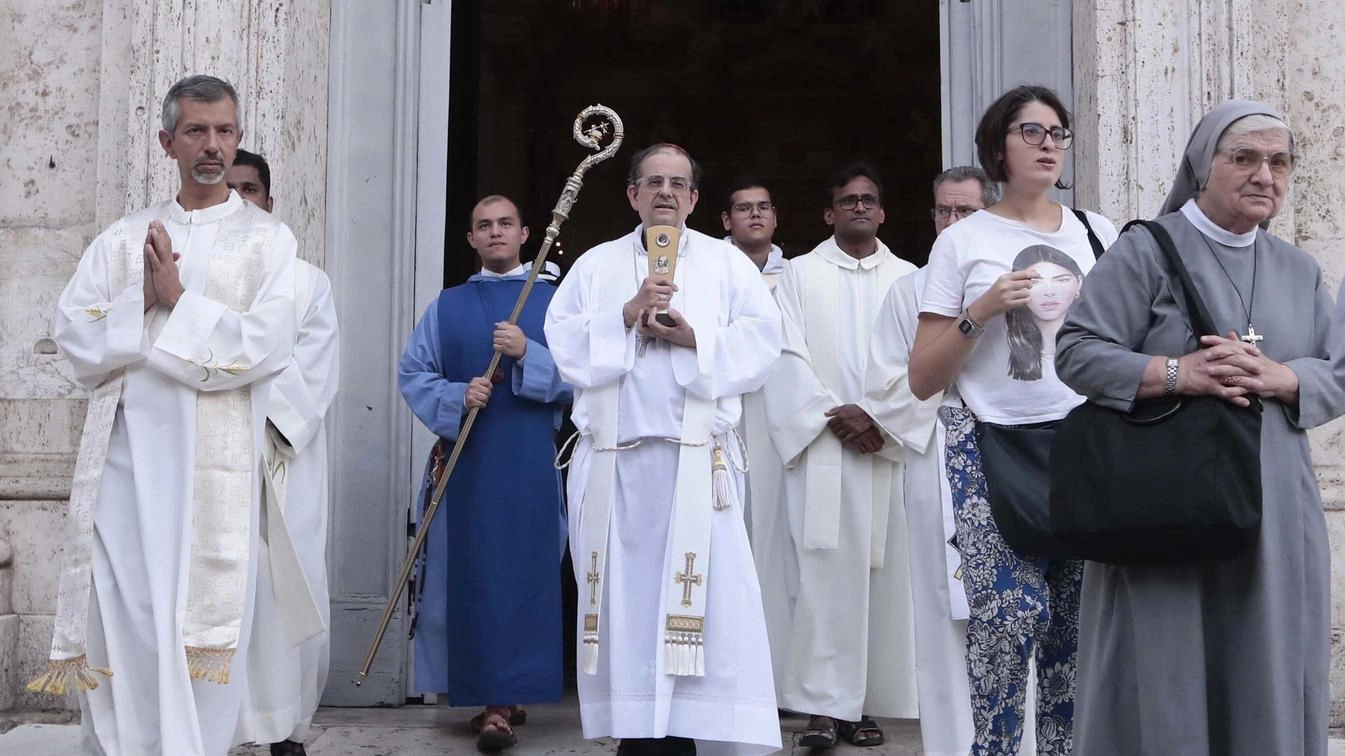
(178, 214)
(829, 250)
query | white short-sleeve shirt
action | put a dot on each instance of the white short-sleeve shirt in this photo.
(1009, 377)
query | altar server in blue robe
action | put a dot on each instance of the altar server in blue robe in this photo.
(488, 628)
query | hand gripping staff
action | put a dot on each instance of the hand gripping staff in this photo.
(605, 120)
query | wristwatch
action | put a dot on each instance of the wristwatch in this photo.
(969, 328)
(1170, 377)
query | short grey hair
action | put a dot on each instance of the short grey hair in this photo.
(989, 189)
(1251, 124)
(201, 88)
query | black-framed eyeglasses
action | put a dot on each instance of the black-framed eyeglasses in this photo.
(851, 201)
(676, 184)
(944, 212)
(746, 208)
(1035, 134)
(1248, 160)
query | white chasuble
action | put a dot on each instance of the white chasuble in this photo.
(640, 485)
(851, 646)
(288, 655)
(156, 575)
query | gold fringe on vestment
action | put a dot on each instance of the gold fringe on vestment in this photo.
(210, 664)
(67, 675)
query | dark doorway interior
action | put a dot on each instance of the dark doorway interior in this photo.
(788, 92)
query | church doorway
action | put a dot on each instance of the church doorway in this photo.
(787, 92)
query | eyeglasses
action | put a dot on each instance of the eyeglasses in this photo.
(851, 201)
(944, 212)
(677, 184)
(1248, 160)
(1035, 134)
(746, 208)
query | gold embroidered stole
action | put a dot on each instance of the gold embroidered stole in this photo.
(221, 481)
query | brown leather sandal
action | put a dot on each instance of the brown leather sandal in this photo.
(496, 734)
(519, 716)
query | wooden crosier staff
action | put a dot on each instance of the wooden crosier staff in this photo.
(590, 137)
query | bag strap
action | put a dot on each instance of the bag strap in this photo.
(1093, 241)
(1201, 322)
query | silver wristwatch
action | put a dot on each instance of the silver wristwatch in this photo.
(1170, 377)
(968, 327)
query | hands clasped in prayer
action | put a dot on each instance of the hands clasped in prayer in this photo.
(1234, 370)
(162, 283)
(653, 296)
(855, 429)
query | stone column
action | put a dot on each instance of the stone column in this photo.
(1146, 70)
(83, 82)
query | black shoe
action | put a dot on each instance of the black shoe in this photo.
(669, 746)
(819, 733)
(288, 748)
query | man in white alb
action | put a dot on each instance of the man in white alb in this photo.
(176, 319)
(851, 648)
(750, 217)
(286, 675)
(673, 649)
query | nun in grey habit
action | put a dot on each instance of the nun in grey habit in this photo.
(1230, 657)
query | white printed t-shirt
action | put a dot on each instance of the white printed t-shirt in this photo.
(1009, 377)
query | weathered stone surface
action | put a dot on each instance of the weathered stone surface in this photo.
(35, 264)
(37, 530)
(49, 114)
(9, 670)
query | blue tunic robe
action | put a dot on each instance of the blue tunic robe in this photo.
(488, 630)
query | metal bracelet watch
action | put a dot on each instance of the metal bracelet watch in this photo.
(968, 327)
(1170, 377)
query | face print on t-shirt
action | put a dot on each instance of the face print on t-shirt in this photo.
(1032, 327)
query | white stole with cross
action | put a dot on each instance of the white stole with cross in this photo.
(688, 560)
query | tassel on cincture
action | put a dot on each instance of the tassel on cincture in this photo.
(726, 493)
(67, 675)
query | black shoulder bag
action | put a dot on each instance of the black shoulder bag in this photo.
(1015, 460)
(1173, 481)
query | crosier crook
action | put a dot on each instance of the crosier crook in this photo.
(589, 137)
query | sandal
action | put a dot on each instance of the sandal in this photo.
(496, 734)
(518, 716)
(865, 733)
(820, 732)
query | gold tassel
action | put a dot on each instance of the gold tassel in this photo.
(64, 675)
(725, 490)
(210, 664)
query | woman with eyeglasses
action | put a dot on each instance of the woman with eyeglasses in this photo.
(1021, 606)
(1226, 657)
